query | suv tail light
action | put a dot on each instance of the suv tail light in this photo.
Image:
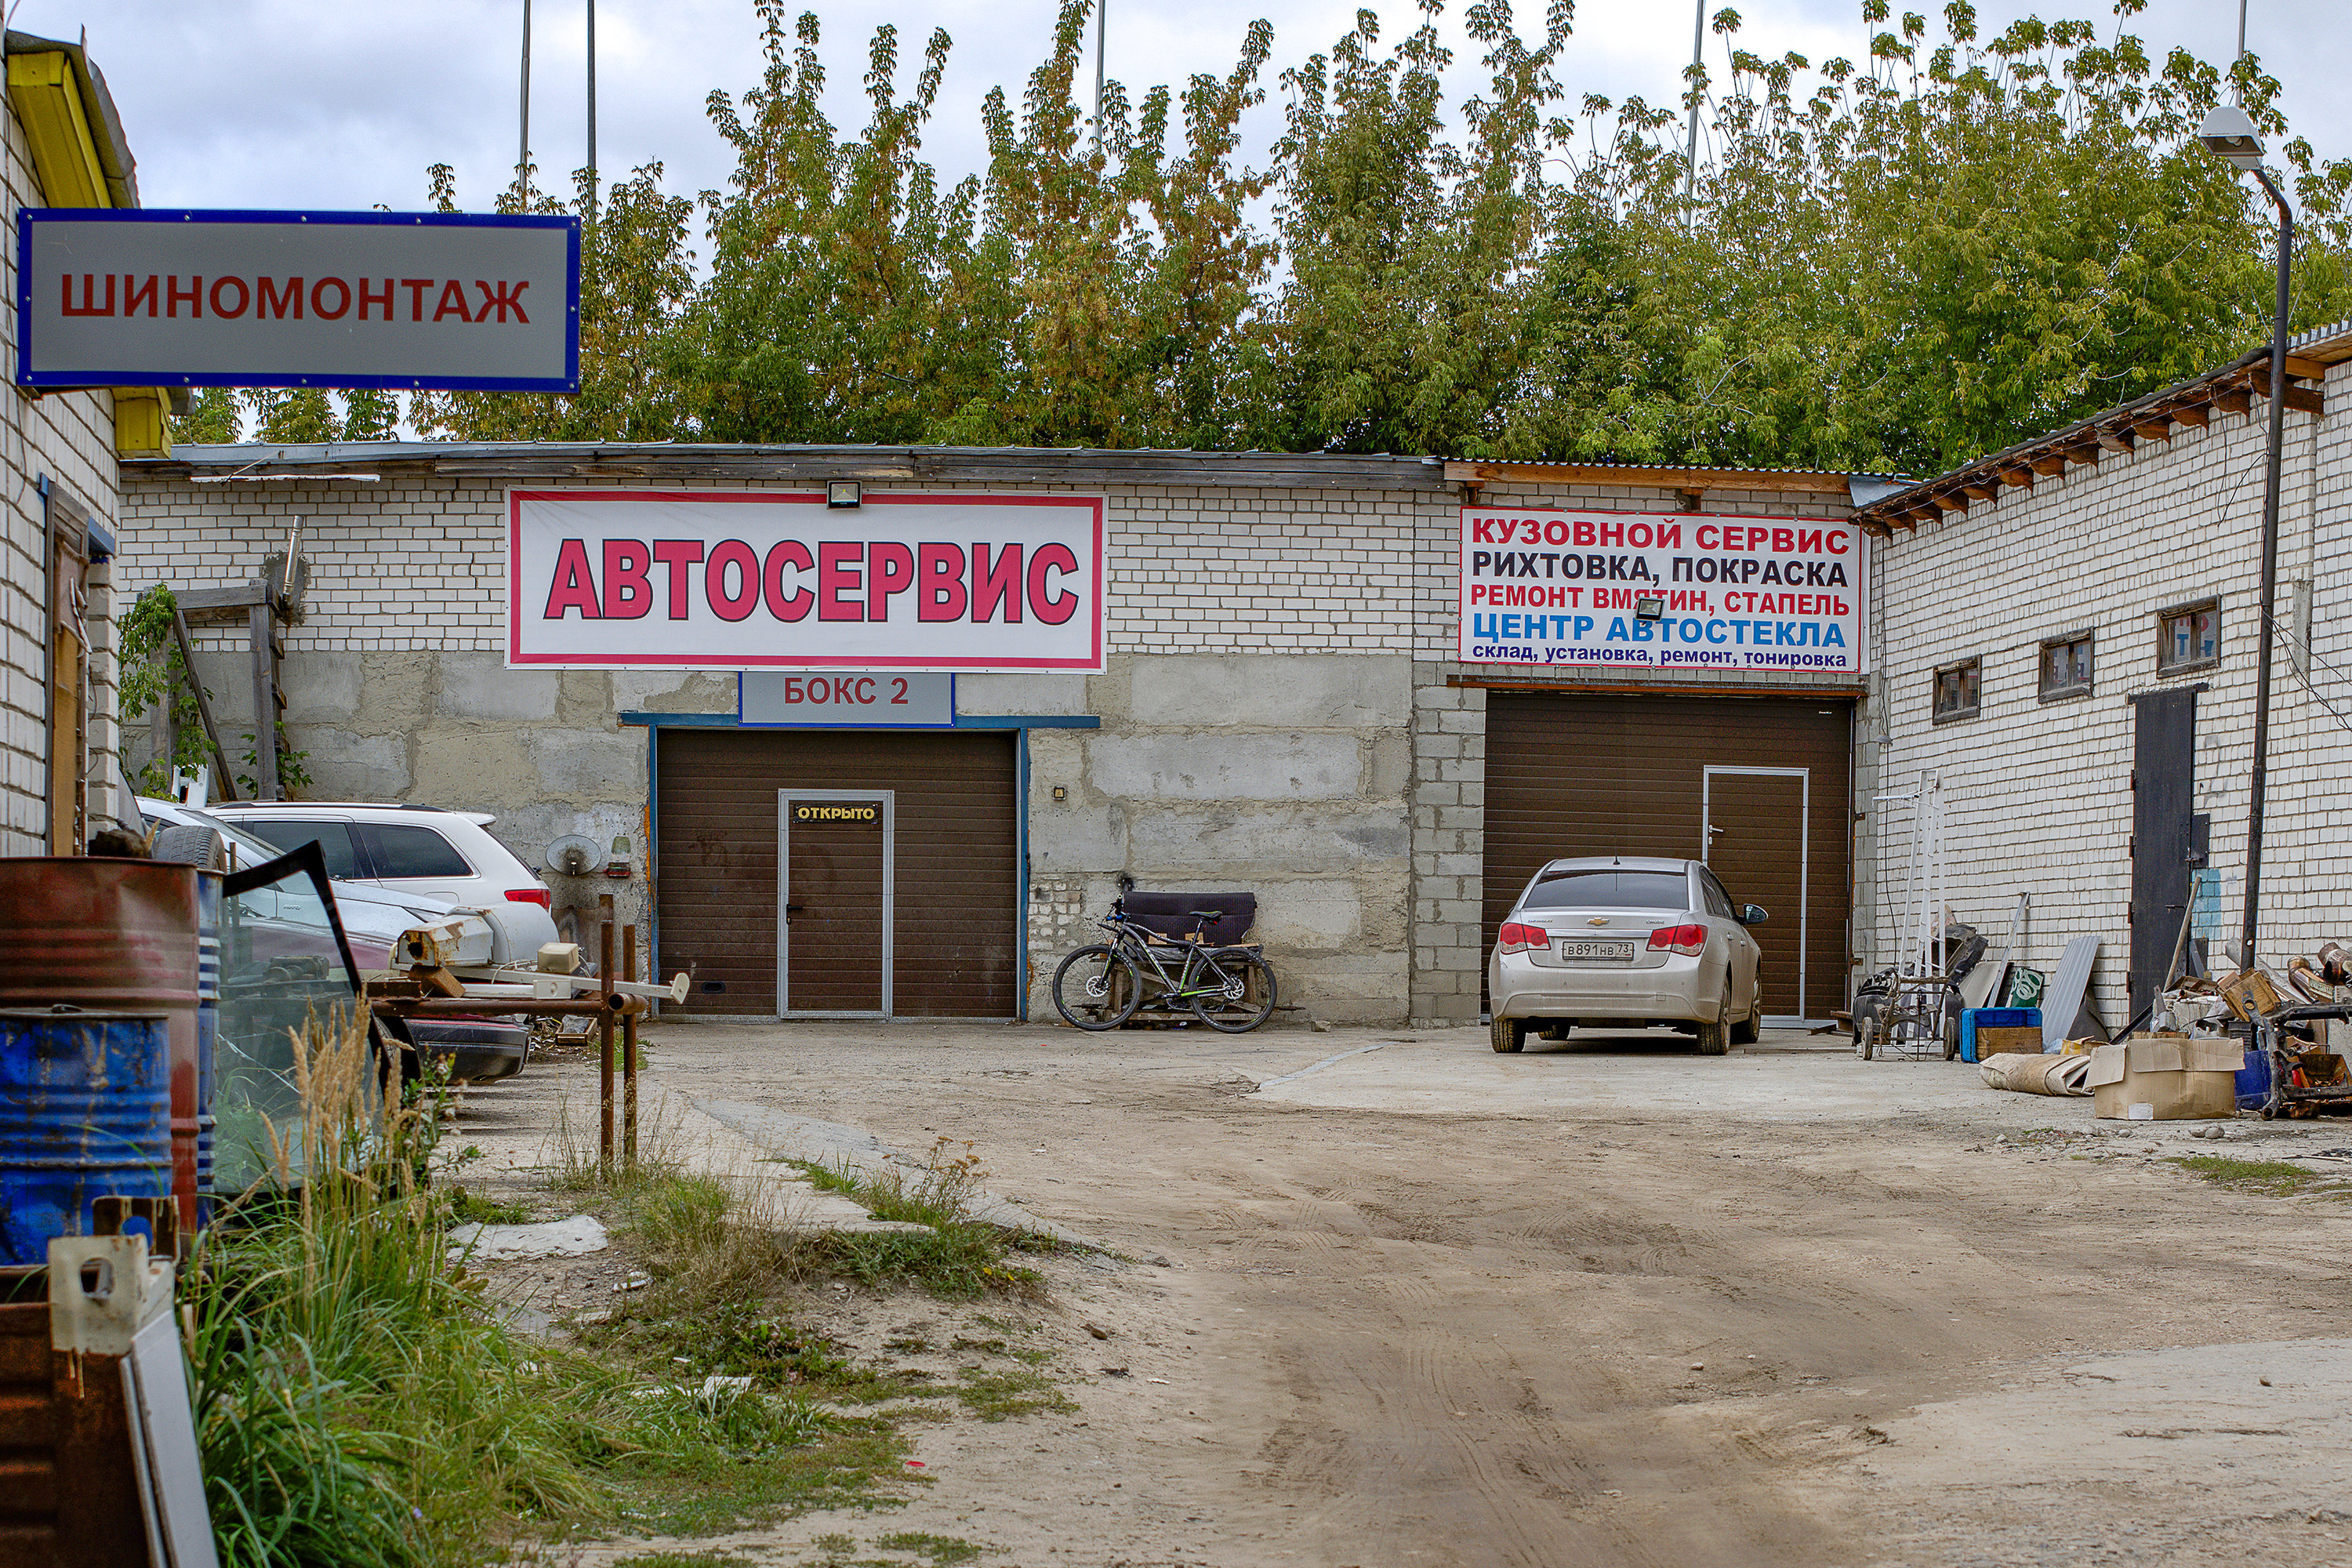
(1517, 938)
(539, 896)
(1679, 939)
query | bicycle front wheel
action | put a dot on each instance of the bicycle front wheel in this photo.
(1096, 988)
(1244, 1001)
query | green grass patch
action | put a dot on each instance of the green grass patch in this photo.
(941, 1551)
(1002, 1395)
(2271, 1178)
(753, 1339)
(469, 1208)
(955, 1262)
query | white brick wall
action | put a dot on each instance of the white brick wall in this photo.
(67, 438)
(2038, 795)
(411, 564)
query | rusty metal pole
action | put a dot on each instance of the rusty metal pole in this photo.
(605, 1029)
(629, 1053)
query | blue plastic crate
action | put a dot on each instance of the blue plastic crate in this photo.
(1972, 1018)
(2254, 1081)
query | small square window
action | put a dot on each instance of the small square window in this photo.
(1957, 689)
(2188, 637)
(2066, 666)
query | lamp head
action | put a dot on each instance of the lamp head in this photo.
(2228, 132)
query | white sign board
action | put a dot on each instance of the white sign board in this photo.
(1549, 587)
(754, 580)
(406, 301)
(853, 700)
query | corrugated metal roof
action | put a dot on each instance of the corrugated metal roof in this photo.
(2330, 344)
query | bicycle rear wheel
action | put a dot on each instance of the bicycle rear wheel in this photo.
(1095, 987)
(1246, 999)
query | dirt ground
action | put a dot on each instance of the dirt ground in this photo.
(1387, 1298)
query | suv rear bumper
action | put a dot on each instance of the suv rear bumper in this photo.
(477, 1052)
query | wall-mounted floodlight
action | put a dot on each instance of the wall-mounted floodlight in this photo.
(1648, 608)
(2228, 132)
(845, 493)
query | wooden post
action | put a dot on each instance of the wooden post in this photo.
(264, 704)
(604, 1026)
(629, 1053)
(224, 786)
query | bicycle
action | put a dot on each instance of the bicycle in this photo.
(1102, 985)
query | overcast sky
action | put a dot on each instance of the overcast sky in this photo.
(313, 103)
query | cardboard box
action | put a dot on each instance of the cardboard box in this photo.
(2178, 1077)
(1996, 1039)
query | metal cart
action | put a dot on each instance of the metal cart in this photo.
(2285, 1052)
(1915, 1025)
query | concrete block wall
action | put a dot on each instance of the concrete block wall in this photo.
(1279, 774)
(2039, 794)
(67, 438)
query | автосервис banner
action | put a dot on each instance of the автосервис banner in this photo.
(759, 580)
(1549, 587)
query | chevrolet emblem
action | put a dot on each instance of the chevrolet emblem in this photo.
(1598, 920)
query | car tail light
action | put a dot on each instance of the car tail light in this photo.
(1678, 939)
(1517, 938)
(539, 896)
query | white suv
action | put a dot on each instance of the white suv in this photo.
(424, 849)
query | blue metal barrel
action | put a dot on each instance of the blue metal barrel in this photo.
(84, 1111)
(208, 991)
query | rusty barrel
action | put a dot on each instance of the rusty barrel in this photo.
(112, 935)
(84, 1112)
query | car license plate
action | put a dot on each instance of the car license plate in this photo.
(1618, 952)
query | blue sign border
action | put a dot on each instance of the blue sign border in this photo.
(954, 719)
(28, 217)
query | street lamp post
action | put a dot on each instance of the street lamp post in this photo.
(2228, 132)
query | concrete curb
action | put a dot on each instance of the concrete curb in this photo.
(782, 1134)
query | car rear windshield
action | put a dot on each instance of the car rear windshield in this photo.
(1609, 890)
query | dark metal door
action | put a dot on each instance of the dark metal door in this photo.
(834, 957)
(2164, 758)
(1758, 820)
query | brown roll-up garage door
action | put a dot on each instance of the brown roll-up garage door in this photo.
(956, 879)
(1571, 776)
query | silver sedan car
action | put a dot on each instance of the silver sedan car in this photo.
(1626, 941)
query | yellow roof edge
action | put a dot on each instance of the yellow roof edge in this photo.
(46, 95)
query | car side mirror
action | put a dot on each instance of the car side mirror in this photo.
(1752, 915)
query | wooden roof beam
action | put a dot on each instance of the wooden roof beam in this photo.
(2193, 414)
(2082, 454)
(1978, 491)
(2017, 479)
(2049, 463)
(2234, 400)
(2156, 429)
(2307, 369)
(1948, 503)
(1540, 475)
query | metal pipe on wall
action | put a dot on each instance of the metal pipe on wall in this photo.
(2267, 606)
(522, 159)
(47, 622)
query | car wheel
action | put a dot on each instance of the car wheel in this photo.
(1749, 1030)
(1510, 1034)
(1715, 1037)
